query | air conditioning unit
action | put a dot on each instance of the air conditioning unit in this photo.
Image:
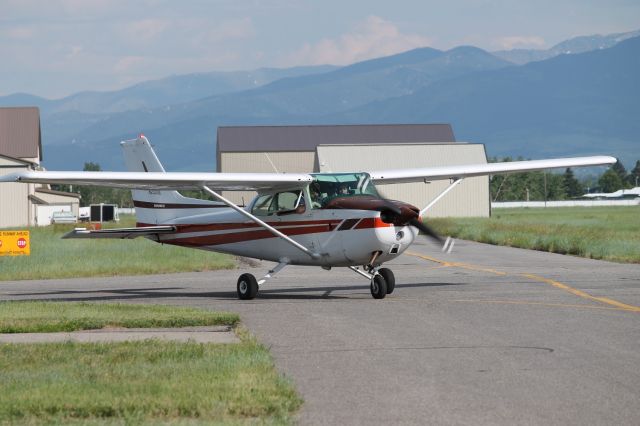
(104, 212)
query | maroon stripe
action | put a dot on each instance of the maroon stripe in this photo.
(348, 224)
(329, 225)
(243, 236)
(149, 205)
(238, 237)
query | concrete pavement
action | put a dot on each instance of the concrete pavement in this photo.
(487, 335)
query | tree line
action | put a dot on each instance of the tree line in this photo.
(544, 185)
(98, 194)
(533, 186)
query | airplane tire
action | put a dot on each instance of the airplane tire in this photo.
(389, 278)
(378, 287)
(247, 287)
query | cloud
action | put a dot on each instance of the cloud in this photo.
(372, 38)
(61, 9)
(229, 30)
(74, 51)
(513, 42)
(146, 29)
(128, 63)
(20, 33)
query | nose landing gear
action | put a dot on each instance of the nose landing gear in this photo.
(378, 287)
(382, 280)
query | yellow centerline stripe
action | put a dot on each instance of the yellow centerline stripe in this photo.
(533, 277)
(522, 302)
(457, 264)
(582, 294)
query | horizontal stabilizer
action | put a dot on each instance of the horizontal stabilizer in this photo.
(121, 233)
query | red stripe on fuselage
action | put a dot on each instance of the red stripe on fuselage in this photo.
(372, 222)
(238, 237)
(328, 224)
(314, 226)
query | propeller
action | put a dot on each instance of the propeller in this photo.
(395, 212)
(427, 230)
(391, 213)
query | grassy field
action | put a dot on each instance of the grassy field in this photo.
(150, 382)
(52, 257)
(608, 233)
(48, 317)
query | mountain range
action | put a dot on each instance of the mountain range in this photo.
(565, 104)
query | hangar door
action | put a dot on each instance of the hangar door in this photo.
(469, 199)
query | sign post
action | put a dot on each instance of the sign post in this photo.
(15, 243)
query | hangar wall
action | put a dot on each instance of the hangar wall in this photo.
(264, 162)
(15, 207)
(469, 199)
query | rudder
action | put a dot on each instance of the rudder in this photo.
(156, 207)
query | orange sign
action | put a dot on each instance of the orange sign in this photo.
(15, 243)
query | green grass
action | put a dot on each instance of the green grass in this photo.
(141, 382)
(48, 317)
(149, 382)
(608, 233)
(53, 257)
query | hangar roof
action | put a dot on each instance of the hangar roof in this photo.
(20, 132)
(307, 138)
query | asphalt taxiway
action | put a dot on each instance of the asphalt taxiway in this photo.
(485, 335)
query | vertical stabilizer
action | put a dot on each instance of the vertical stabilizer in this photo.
(157, 207)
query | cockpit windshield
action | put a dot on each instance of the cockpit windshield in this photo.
(326, 187)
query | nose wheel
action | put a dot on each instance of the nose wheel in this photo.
(389, 278)
(382, 281)
(378, 287)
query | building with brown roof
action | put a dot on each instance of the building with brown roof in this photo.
(361, 147)
(21, 149)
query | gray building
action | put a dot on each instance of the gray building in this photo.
(309, 149)
(20, 150)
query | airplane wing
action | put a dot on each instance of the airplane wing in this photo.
(470, 170)
(167, 180)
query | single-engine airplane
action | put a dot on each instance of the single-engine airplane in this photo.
(315, 219)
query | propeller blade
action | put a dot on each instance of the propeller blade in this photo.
(426, 230)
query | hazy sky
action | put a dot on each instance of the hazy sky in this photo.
(53, 48)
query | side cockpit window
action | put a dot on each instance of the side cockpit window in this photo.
(279, 203)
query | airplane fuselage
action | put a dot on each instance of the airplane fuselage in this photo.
(342, 237)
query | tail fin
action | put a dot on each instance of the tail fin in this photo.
(157, 207)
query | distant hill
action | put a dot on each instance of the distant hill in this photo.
(63, 118)
(290, 100)
(568, 104)
(572, 46)
(572, 104)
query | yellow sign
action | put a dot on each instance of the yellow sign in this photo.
(15, 243)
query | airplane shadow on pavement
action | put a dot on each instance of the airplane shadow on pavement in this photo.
(289, 293)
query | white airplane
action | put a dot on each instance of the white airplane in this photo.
(316, 219)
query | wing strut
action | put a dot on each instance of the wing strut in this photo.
(266, 226)
(452, 185)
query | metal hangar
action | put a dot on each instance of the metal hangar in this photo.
(338, 148)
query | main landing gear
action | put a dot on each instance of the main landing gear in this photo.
(382, 281)
(248, 285)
